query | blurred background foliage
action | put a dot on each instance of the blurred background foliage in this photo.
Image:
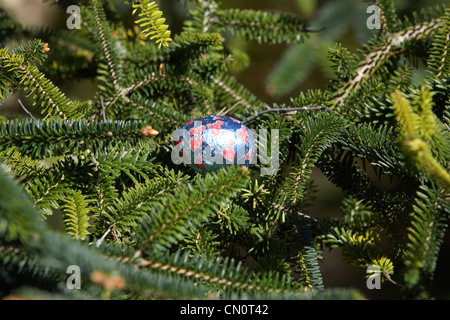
(273, 72)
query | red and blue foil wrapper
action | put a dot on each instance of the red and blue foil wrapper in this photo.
(209, 143)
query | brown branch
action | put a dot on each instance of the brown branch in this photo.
(25, 109)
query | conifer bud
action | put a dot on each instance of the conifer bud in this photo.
(152, 132)
(107, 281)
(46, 48)
(149, 131)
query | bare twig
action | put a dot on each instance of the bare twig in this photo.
(224, 111)
(103, 109)
(25, 109)
(99, 241)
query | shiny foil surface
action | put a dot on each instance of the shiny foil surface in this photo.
(209, 143)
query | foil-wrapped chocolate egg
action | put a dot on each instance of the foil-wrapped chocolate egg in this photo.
(209, 143)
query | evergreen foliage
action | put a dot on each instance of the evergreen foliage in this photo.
(141, 227)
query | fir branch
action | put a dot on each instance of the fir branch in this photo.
(53, 137)
(308, 257)
(64, 252)
(168, 233)
(236, 92)
(425, 234)
(180, 56)
(271, 27)
(125, 212)
(46, 192)
(34, 52)
(220, 274)
(360, 250)
(151, 16)
(318, 135)
(203, 17)
(418, 132)
(388, 16)
(17, 265)
(154, 111)
(188, 206)
(22, 167)
(283, 79)
(76, 215)
(186, 90)
(105, 194)
(319, 108)
(103, 31)
(421, 157)
(53, 101)
(439, 59)
(47, 183)
(129, 162)
(309, 269)
(389, 45)
(375, 144)
(18, 219)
